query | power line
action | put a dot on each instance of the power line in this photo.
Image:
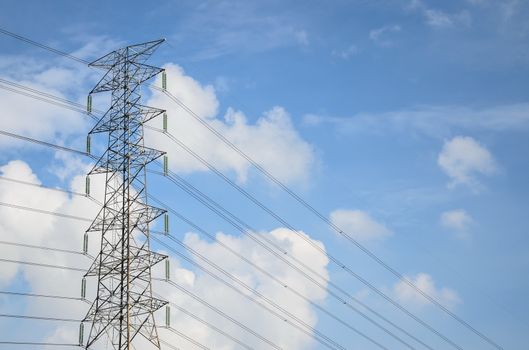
(306, 239)
(35, 295)
(82, 270)
(299, 199)
(40, 318)
(62, 148)
(72, 150)
(304, 328)
(40, 211)
(169, 345)
(330, 314)
(43, 143)
(80, 106)
(42, 46)
(38, 343)
(244, 192)
(69, 216)
(188, 338)
(220, 312)
(25, 245)
(52, 266)
(322, 217)
(81, 299)
(63, 215)
(272, 277)
(242, 230)
(209, 203)
(212, 275)
(51, 188)
(207, 324)
(42, 99)
(364, 305)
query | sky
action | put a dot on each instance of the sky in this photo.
(404, 122)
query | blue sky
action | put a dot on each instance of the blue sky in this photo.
(408, 120)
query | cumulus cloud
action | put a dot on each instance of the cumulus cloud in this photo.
(39, 229)
(271, 141)
(44, 230)
(239, 307)
(20, 226)
(458, 220)
(359, 224)
(409, 296)
(37, 119)
(463, 158)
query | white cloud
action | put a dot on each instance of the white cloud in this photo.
(272, 141)
(458, 220)
(462, 158)
(35, 118)
(50, 231)
(409, 296)
(40, 228)
(63, 233)
(359, 224)
(240, 308)
(380, 35)
(23, 115)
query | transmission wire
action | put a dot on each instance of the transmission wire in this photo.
(257, 293)
(321, 250)
(298, 198)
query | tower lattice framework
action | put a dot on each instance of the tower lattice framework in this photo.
(124, 307)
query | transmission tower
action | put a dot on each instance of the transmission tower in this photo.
(124, 306)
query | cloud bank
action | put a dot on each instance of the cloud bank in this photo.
(271, 141)
(51, 231)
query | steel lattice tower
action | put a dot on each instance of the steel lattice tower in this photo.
(124, 306)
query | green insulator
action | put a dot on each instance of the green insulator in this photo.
(87, 186)
(168, 316)
(83, 288)
(167, 269)
(164, 122)
(89, 104)
(88, 144)
(165, 165)
(164, 80)
(166, 224)
(85, 243)
(81, 334)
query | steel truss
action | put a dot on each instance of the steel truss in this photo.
(124, 306)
